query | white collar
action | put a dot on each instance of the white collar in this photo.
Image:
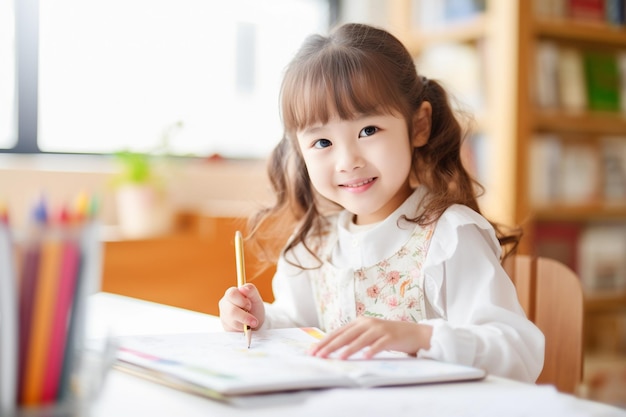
(369, 246)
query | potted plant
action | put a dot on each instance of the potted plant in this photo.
(143, 207)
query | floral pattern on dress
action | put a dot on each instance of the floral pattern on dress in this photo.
(391, 289)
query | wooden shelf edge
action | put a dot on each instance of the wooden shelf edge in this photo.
(603, 301)
(607, 123)
(580, 212)
(568, 29)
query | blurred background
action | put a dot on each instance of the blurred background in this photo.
(164, 111)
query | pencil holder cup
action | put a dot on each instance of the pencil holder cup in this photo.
(47, 367)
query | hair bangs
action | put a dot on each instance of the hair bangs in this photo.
(336, 84)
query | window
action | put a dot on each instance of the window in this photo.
(8, 129)
(121, 74)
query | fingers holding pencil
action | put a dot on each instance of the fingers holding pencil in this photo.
(237, 308)
(241, 305)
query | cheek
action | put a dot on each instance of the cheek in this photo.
(399, 158)
(321, 178)
(316, 170)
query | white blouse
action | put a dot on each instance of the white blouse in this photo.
(470, 301)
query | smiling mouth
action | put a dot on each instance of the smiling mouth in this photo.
(359, 184)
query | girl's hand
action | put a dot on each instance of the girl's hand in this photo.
(376, 335)
(241, 306)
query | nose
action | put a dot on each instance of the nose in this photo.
(348, 158)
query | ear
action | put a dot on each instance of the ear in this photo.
(422, 122)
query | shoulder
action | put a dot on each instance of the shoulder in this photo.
(463, 244)
(458, 215)
(459, 225)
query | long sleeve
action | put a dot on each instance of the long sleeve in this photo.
(473, 306)
(294, 304)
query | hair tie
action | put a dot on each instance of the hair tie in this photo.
(424, 81)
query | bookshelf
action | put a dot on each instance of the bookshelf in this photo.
(509, 35)
(592, 127)
(599, 253)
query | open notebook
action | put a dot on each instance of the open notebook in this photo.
(219, 364)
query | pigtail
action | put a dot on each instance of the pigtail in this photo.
(266, 223)
(438, 165)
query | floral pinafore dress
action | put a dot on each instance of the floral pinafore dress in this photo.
(391, 289)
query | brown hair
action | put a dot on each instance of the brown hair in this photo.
(360, 69)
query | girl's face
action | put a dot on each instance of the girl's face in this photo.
(362, 164)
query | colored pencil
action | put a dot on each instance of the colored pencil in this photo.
(70, 259)
(43, 308)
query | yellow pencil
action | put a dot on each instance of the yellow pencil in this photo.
(241, 276)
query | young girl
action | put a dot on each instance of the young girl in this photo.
(406, 263)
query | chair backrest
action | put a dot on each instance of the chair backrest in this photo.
(552, 298)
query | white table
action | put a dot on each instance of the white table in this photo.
(126, 395)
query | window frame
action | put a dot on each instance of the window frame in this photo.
(26, 60)
(27, 75)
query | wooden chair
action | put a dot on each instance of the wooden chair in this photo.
(552, 298)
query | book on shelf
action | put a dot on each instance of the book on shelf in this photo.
(588, 10)
(566, 171)
(596, 252)
(549, 8)
(614, 169)
(615, 12)
(577, 171)
(559, 241)
(571, 79)
(602, 257)
(436, 14)
(219, 365)
(462, 9)
(580, 172)
(621, 63)
(577, 79)
(602, 80)
(545, 156)
(609, 12)
(546, 75)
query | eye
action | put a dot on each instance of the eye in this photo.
(368, 131)
(322, 143)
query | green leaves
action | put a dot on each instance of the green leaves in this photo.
(135, 168)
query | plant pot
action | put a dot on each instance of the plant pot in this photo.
(143, 211)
